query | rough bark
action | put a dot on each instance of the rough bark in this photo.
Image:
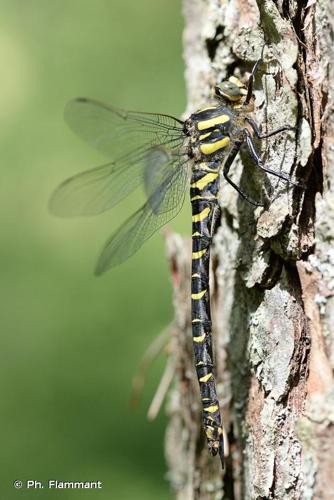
(273, 268)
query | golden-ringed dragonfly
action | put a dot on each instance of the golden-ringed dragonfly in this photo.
(163, 154)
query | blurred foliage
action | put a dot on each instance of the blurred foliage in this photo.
(70, 342)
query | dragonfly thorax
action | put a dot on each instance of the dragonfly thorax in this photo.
(209, 130)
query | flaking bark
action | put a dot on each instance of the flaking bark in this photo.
(273, 268)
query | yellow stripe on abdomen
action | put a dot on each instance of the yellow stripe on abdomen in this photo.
(198, 255)
(200, 338)
(201, 215)
(211, 409)
(212, 147)
(205, 180)
(198, 197)
(205, 378)
(198, 296)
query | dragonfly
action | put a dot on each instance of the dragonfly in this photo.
(166, 156)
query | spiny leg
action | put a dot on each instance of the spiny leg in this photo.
(226, 169)
(216, 216)
(252, 77)
(259, 163)
(258, 134)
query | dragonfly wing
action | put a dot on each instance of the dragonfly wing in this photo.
(141, 143)
(96, 190)
(163, 205)
(116, 132)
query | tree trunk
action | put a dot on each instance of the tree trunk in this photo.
(273, 268)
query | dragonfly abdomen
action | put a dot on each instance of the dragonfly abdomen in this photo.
(205, 213)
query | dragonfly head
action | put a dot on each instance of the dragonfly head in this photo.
(232, 90)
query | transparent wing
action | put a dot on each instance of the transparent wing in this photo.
(96, 190)
(163, 205)
(116, 132)
(141, 144)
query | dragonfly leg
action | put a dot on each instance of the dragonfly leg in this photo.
(216, 214)
(226, 170)
(259, 135)
(252, 77)
(259, 163)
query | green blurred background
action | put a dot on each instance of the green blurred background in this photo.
(70, 343)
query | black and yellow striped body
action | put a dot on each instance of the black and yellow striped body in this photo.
(205, 213)
(210, 129)
(155, 151)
